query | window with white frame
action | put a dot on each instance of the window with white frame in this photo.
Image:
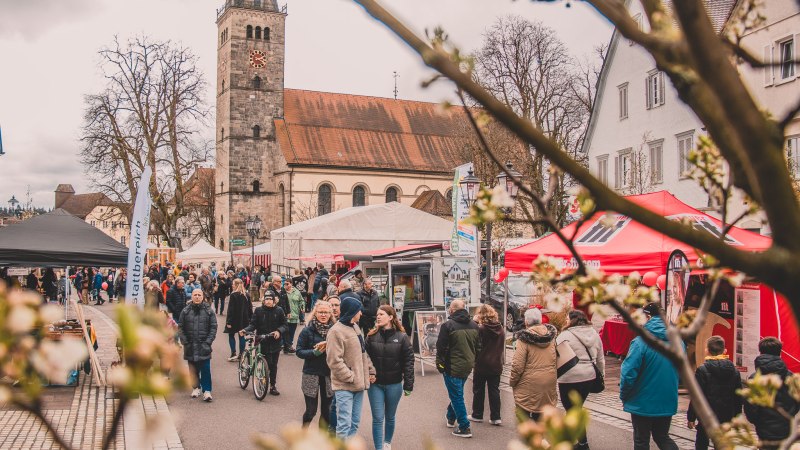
(623, 101)
(685, 145)
(786, 48)
(656, 161)
(623, 166)
(602, 169)
(792, 147)
(655, 89)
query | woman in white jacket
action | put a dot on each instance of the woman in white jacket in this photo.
(586, 344)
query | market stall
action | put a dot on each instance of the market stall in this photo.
(353, 230)
(202, 252)
(740, 315)
(261, 253)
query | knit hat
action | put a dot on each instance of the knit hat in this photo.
(652, 309)
(349, 308)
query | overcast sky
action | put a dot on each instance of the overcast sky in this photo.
(48, 61)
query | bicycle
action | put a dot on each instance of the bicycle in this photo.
(253, 364)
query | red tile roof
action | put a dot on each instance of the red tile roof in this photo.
(81, 205)
(433, 202)
(344, 130)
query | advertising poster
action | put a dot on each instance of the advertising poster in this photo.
(456, 280)
(464, 241)
(677, 283)
(428, 325)
(747, 326)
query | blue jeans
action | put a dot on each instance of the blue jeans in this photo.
(383, 401)
(348, 412)
(332, 416)
(288, 338)
(457, 409)
(202, 370)
(232, 343)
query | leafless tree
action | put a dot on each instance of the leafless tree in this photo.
(150, 112)
(701, 64)
(641, 176)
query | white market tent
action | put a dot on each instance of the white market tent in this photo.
(260, 250)
(356, 229)
(201, 252)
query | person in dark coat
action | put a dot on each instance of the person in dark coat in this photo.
(269, 320)
(197, 330)
(370, 301)
(240, 312)
(121, 285)
(488, 365)
(392, 355)
(222, 290)
(719, 380)
(50, 285)
(281, 300)
(176, 299)
(32, 282)
(316, 381)
(771, 426)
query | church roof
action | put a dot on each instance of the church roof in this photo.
(344, 130)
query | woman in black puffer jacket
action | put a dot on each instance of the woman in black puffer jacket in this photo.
(391, 353)
(316, 373)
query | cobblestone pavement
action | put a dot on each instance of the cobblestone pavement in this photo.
(81, 414)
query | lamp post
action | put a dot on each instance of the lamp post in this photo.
(253, 226)
(469, 189)
(176, 238)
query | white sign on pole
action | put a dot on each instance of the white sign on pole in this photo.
(140, 227)
(464, 241)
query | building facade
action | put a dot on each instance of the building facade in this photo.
(289, 155)
(640, 132)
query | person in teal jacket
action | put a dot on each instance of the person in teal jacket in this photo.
(648, 387)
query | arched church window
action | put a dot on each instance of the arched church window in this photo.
(256, 131)
(258, 32)
(449, 195)
(221, 38)
(391, 195)
(257, 3)
(256, 186)
(359, 196)
(324, 200)
(266, 33)
(249, 33)
(257, 82)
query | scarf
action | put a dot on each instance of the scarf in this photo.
(321, 328)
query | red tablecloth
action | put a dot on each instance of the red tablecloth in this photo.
(616, 337)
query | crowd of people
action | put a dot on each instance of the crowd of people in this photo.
(352, 347)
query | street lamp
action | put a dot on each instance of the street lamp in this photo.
(469, 186)
(253, 226)
(176, 238)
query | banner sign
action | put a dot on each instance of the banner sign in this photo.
(140, 228)
(464, 240)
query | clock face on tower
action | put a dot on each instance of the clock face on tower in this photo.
(258, 59)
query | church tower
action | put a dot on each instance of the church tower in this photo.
(249, 96)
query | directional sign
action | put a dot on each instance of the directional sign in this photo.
(238, 242)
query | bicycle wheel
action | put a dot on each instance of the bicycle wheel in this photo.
(245, 367)
(260, 377)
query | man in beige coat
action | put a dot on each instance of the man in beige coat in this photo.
(351, 368)
(533, 371)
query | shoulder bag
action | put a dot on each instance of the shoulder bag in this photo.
(599, 383)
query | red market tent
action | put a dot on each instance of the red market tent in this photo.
(629, 246)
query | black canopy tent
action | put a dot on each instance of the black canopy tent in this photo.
(59, 239)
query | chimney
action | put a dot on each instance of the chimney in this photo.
(63, 193)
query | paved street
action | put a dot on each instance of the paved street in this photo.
(234, 415)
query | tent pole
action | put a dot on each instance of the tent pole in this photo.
(66, 293)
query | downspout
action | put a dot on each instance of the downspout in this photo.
(291, 201)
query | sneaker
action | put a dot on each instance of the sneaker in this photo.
(207, 397)
(387, 446)
(462, 432)
(196, 392)
(450, 423)
(233, 357)
(497, 422)
(474, 419)
(273, 391)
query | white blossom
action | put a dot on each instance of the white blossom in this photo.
(22, 319)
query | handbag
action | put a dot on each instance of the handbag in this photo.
(565, 358)
(598, 385)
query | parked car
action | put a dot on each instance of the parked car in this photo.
(520, 294)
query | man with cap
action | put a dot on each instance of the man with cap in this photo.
(269, 320)
(351, 369)
(648, 387)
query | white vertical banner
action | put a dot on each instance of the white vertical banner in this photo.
(137, 250)
(464, 239)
